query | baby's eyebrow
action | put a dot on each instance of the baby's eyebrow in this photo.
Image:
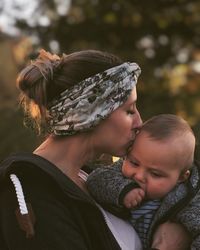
(158, 170)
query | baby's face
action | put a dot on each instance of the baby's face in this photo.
(152, 165)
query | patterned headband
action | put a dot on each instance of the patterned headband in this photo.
(87, 103)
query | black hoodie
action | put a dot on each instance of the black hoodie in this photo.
(65, 217)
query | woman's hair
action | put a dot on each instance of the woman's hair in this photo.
(169, 127)
(46, 77)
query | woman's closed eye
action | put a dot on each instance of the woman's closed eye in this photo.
(131, 109)
(130, 112)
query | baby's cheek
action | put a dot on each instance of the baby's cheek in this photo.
(155, 191)
(126, 170)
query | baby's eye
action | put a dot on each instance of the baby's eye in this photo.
(156, 175)
(134, 163)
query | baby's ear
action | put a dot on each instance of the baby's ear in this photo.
(184, 176)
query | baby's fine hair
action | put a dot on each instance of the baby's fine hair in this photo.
(166, 127)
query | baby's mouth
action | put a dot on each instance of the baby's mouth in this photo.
(142, 186)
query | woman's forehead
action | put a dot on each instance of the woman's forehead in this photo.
(132, 97)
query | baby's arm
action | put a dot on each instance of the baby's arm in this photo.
(107, 184)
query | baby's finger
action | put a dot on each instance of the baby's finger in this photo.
(134, 203)
(138, 199)
(142, 193)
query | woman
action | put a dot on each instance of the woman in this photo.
(86, 101)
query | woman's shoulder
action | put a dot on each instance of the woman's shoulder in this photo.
(28, 163)
(37, 174)
(25, 165)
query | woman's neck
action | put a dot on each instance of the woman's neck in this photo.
(69, 154)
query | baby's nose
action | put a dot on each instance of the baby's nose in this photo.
(140, 177)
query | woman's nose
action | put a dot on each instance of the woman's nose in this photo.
(137, 122)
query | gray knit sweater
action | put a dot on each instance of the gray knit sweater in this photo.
(108, 186)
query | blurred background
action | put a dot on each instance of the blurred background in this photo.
(162, 36)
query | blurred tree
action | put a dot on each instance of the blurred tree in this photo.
(162, 36)
(13, 135)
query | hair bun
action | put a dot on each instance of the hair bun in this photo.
(47, 63)
(40, 70)
(34, 79)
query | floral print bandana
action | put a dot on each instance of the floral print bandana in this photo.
(83, 106)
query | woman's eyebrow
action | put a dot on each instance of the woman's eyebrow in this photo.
(133, 102)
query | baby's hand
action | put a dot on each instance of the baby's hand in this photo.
(134, 198)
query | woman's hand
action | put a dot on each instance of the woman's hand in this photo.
(171, 236)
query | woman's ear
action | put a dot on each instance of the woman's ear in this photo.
(184, 176)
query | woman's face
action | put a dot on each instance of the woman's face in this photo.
(117, 132)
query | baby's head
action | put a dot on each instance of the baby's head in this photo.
(161, 156)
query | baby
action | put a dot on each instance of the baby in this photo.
(153, 174)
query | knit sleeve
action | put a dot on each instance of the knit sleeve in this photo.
(196, 243)
(189, 217)
(108, 185)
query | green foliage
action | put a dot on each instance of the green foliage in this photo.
(15, 137)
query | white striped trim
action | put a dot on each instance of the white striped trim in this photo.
(20, 195)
